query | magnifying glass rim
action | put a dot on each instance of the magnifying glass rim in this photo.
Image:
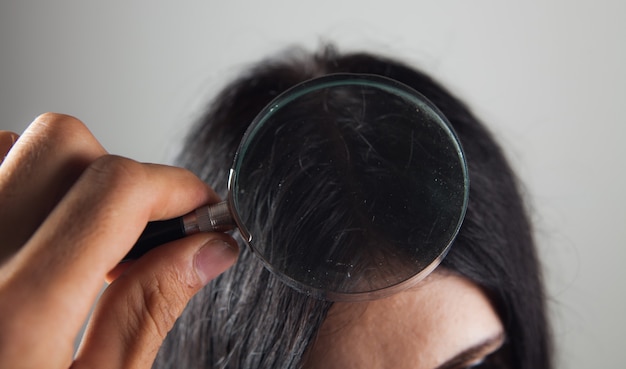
(334, 80)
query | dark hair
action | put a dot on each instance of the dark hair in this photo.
(248, 318)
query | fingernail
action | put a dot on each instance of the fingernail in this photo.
(214, 258)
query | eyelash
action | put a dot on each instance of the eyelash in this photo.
(479, 365)
(487, 362)
(498, 359)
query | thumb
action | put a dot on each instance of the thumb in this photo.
(137, 310)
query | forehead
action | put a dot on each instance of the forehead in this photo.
(419, 328)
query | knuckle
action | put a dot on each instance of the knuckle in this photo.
(48, 132)
(58, 125)
(51, 131)
(56, 118)
(115, 172)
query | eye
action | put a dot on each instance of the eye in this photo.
(492, 361)
(482, 364)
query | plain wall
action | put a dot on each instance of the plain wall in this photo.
(548, 77)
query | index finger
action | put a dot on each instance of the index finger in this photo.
(39, 169)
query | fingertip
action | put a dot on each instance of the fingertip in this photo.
(213, 258)
(119, 269)
(7, 140)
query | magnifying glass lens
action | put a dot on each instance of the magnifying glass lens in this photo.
(349, 187)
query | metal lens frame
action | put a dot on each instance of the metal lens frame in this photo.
(423, 164)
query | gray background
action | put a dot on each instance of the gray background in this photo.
(547, 76)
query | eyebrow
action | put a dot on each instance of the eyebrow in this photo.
(475, 352)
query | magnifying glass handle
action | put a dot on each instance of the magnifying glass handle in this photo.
(209, 218)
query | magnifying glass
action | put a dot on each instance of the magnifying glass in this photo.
(348, 187)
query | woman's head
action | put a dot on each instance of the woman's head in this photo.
(248, 318)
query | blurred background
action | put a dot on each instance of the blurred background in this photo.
(548, 77)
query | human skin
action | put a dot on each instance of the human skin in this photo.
(69, 212)
(445, 321)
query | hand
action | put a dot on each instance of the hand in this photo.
(68, 213)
